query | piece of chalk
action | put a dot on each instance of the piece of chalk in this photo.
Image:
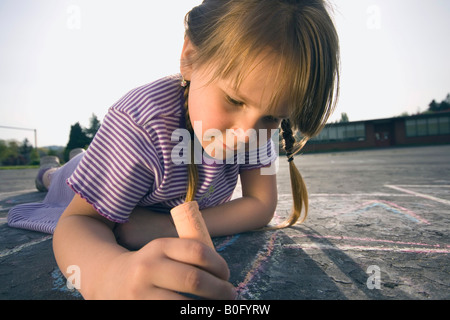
(189, 223)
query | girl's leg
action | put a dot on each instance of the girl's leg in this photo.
(49, 165)
(43, 216)
(47, 178)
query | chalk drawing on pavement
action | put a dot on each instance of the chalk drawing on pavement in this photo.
(248, 284)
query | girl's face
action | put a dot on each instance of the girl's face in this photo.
(221, 116)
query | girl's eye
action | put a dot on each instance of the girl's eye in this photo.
(234, 102)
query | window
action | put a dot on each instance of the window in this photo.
(344, 132)
(444, 125)
(433, 126)
(323, 135)
(332, 133)
(411, 128)
(422, 129)
(341, 132)
(360, 131)
(427, 127)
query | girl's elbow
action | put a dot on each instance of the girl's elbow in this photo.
(268, 212)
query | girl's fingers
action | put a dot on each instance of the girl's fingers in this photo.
(185, 278)
(165, 294)
(189, 266)
(198, 254)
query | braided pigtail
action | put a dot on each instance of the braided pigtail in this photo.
(298, 186)
(192, 167)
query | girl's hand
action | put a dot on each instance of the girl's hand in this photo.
(166, 267)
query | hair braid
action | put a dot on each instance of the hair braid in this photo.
(288, 138)
(192, 167)
(298, 186)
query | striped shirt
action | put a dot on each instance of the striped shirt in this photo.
(129, 163)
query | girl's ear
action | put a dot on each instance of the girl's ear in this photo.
(186, 60)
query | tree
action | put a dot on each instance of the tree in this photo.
(10, 155)
(3, 150)
(444, 105)
(25, 150)
(94, 125)
(433, 106)
(81, 137)
(34, 157)
(77, 139)
(13, 153)
(344, 117)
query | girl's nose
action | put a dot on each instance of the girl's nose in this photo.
(241, 136)
(246, 127)
(250, 120)
(253, 128)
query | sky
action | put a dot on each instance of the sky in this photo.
(63, 60)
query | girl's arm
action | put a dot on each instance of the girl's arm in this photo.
(253, 211)
(159, 270)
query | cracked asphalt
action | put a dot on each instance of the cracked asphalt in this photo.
(377, 230)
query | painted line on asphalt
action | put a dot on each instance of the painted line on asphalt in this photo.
(314, 246)
(418, 194)
(16, 192)
(9, 252)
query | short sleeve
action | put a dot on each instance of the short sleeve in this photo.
(260, 157)
(116, 170)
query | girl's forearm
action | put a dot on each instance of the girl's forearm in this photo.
(239, 215)
(88, 244)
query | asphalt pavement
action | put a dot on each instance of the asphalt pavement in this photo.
(377, 230)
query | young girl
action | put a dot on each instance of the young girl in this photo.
(245, 65)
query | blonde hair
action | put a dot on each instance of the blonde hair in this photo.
(229, 37)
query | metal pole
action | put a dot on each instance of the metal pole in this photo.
(35, 139)
(25, 129)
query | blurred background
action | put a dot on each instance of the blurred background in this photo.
(63, 63)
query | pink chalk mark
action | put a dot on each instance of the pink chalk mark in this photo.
(406, 211)
(307, 246)
(261, 257)
(368, 240)
(394, 206)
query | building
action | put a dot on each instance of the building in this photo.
(424, 129)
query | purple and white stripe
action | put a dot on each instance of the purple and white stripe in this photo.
(129, 162)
